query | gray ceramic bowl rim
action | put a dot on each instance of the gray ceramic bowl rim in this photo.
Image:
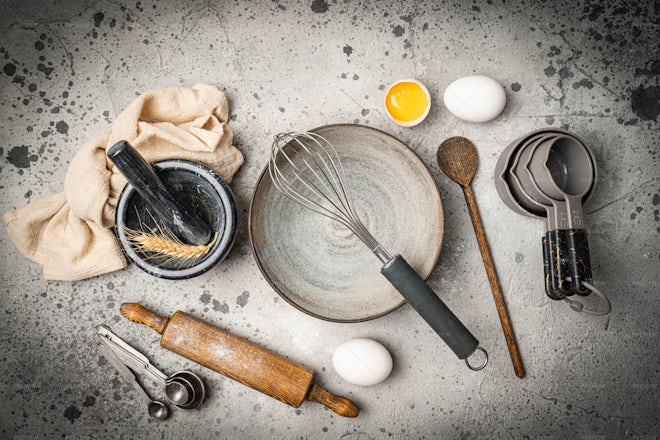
(220, 248)
(264, 173)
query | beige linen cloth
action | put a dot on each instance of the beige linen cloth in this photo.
(68, 234)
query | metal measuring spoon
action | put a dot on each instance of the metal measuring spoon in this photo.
(195, 388)
(184, 388)
(157, 409)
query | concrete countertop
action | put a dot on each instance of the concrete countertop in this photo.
(68, 68)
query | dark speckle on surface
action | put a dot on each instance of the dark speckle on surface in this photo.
(348, 50)
(398, 30)
(98, 18)
(645, 102)
(89, 401)
(565, 72)
(584, 82)
(549, 71)
(652, 69)
(39, 45)
(320, 6)
(18, 156)
(72, 413)
(516, 87)
(242, 299)
(594, 10)
(205, 298)
(62, 127)
(9, 69)
(218, 307)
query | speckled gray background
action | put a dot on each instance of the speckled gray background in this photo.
(68, 68)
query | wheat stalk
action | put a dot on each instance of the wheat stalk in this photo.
(161, 242)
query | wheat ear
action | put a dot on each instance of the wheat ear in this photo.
(161, 242)
(163, 245)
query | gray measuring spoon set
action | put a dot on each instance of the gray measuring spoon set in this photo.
(184, 389)
(549, 174)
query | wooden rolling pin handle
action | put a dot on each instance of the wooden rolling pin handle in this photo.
(338, 404)
(138, 313)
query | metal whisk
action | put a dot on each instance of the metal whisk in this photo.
(305, 167)
(310, 173)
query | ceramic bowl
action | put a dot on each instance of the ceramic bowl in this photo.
(322, 268)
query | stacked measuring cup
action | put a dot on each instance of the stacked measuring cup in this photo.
(549, 174)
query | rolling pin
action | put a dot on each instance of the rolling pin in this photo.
(238, 359)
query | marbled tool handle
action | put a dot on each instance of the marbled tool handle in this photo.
(579, 261)
(557, 285)
(180, 218)
(566, 263)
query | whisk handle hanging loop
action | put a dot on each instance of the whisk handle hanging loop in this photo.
(422, 298)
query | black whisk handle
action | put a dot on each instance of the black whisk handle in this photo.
(424, 300)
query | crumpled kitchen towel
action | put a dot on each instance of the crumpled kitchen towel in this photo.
(68, 234)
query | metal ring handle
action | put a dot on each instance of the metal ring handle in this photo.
(577, 306)
(478, 367)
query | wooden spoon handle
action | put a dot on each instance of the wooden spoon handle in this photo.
(138, 313)
(340, 405)
(500, 304)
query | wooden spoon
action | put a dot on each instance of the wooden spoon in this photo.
(458, 159)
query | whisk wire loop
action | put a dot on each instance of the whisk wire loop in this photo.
(306, 168)
(286, 186)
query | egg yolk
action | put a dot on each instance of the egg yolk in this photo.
(406, 101)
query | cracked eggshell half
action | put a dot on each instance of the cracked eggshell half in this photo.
(475, 98)
(407, 102)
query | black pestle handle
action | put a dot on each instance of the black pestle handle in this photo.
(180, 218)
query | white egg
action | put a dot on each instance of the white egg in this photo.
(362, 362)
(475, 98)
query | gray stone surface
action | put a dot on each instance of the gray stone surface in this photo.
(69, 67)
